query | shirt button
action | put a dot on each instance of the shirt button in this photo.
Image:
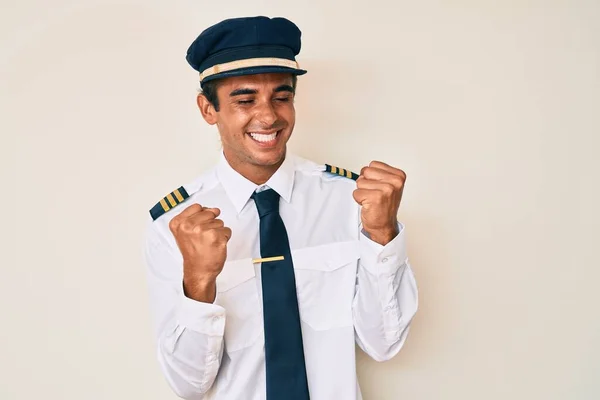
(384, 260)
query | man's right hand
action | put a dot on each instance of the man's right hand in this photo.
(202, 240)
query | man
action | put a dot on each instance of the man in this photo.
(265, 270)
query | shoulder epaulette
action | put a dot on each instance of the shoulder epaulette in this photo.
(341, 172)
(177, 196)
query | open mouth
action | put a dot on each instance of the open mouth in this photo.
(264, 139)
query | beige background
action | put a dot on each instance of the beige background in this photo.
(492, 109)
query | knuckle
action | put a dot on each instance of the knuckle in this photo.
(211, 235)
(184, 226)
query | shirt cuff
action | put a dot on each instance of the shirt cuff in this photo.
(383, 260)
(205, 318)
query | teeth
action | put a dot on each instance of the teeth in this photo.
(263, 138)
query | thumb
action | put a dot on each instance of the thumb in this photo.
(360, 196)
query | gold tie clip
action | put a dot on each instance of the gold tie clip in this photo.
(267, 259)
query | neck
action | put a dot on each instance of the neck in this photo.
(257, 174)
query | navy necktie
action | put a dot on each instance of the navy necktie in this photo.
(284, 353)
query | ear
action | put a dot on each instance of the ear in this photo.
(206, 109)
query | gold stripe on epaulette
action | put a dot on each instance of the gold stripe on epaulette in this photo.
(164, 205)
(333, 170)
(171, 200)
(178, 195)
(348, 174)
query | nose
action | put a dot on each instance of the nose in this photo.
(266, 114)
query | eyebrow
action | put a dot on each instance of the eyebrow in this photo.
(284, 88)
(239, 92)
(246, 91)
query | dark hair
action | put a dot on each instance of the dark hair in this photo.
(209, 90)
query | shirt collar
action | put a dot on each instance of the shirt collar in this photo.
(239, 189)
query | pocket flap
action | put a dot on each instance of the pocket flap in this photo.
(327, 257)
(235, 273)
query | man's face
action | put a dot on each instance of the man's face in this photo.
(256, 118)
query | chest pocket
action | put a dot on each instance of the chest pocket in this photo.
(325, 281)
(237, 292)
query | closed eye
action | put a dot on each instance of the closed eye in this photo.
(245, 101)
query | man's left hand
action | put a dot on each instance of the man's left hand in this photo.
(379, 191)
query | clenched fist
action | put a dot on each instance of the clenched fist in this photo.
(202, 240)
(379, 191)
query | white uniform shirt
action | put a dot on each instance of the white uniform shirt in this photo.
(349, 288)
